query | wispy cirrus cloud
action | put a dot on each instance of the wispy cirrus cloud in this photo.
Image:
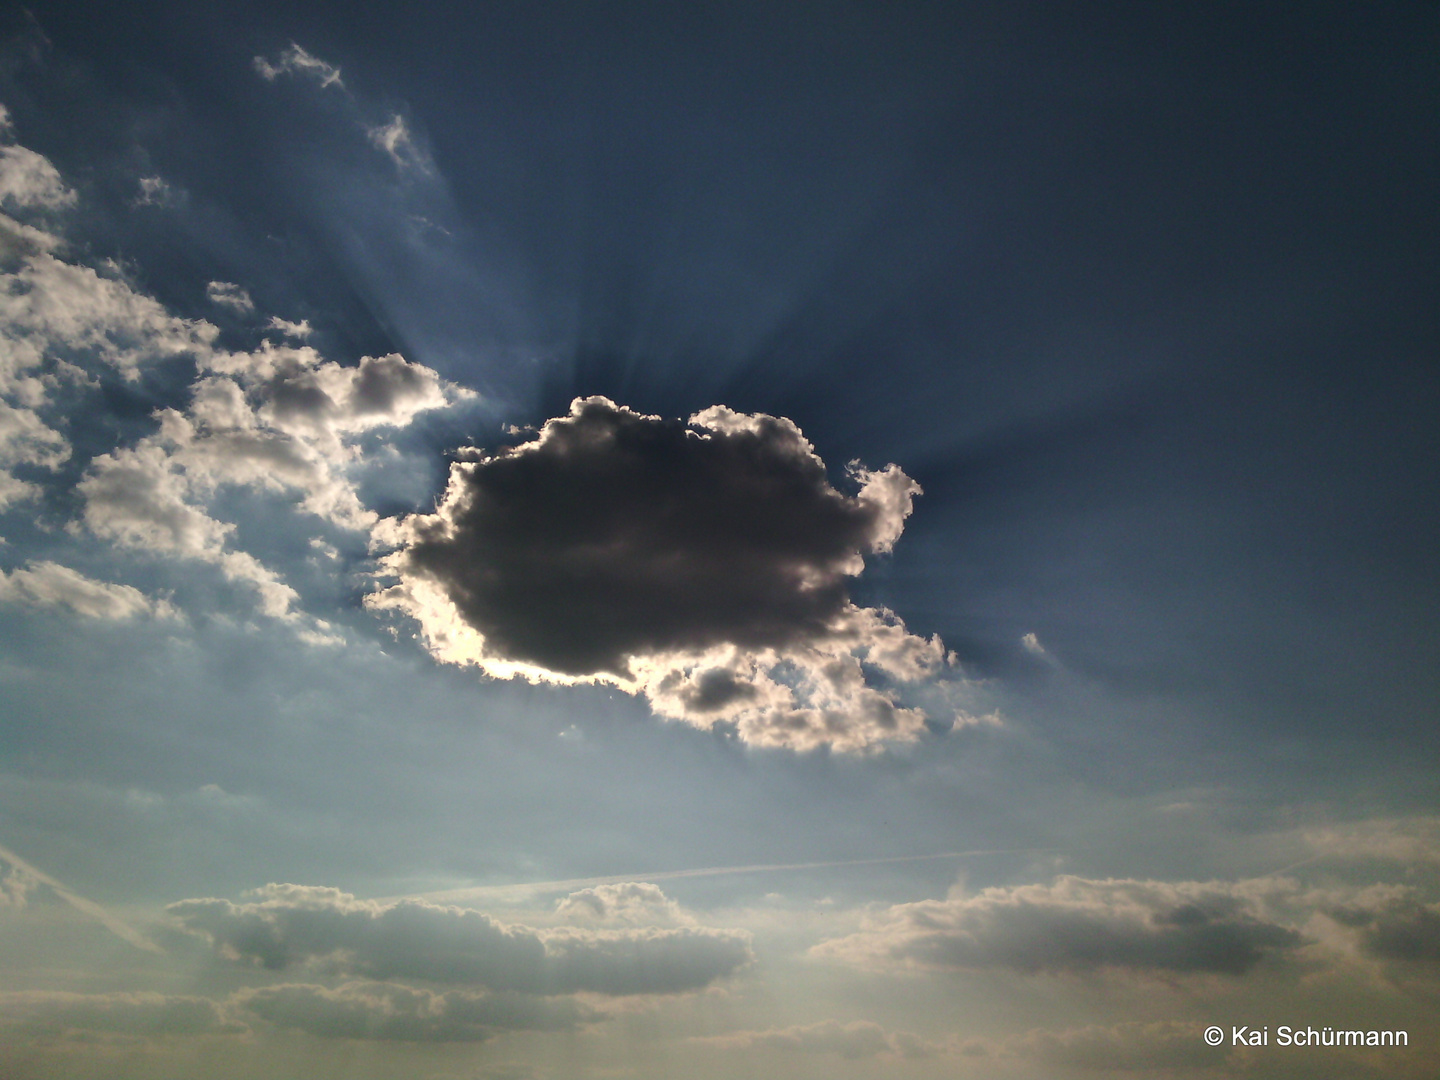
(26, 878)
(397, 140)
(295, 60)
(229, 295)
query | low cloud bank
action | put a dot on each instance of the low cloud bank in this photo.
(286, 926)
(1078, 925)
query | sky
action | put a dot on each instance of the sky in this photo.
(562, 540)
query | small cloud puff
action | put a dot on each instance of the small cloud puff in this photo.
(155, 191)
(228, 294)
(295, 59)
(701, 563)
(298, 330)
(397, 141)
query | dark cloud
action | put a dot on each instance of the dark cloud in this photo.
(615, 534)
(1078, 925)
(703, 562)
(290, 925)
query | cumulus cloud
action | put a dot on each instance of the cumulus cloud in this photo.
(281, 419)
(390, 1011)
(140, 498)
(289, 925)
(228, 294)
(631, 903)
(48, 584)
(702, 563)
(852, 1041)
(55, 320)
(296, 60)
(140, 1013)
(59, 321)
(1076, 925)
(57, 310)
(29, 180)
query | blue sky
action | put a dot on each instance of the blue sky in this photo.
(551, 541)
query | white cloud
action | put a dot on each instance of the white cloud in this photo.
(55, 310)
(298, 330)
(29, 180)
(286, 926)
(1079, 925)
(295, 59)
(280, 419)
(138, 498)
(48, 584)
(631, 903)
(702, 564)
(56, 320)
(1410, 840)
(397, 141)
(228, 294)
